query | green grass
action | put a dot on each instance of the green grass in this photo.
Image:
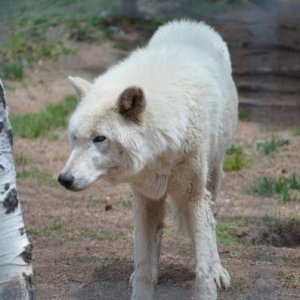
(35, 125)
(283, 188)
(235, 159)
(35, 30)
(297, 131)
(87, 259)
(224, 234)
(55, 226)
(20, 160)
(244, 114)
(41, 177)
(271, 146)
(93, 234)
(12, 70)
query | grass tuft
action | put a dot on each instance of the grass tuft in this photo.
(271, 146)
(35, 125)
(56, 224)
(281, 188)
(235, 159)
(40, 177)
(224, 234)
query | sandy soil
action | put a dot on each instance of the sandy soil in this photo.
(83, 241)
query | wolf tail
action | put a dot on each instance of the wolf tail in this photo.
(192, 33)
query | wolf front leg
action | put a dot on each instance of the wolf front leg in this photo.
(148, 225)
(209, 272)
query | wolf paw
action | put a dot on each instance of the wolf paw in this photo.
(221, 276)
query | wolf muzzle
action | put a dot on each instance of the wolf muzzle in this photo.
(66, 180)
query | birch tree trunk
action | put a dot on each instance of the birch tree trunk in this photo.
(15, 250)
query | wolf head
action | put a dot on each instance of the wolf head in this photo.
(107, 135)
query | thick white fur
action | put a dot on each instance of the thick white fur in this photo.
(177, 150)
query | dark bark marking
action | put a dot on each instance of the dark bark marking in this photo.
(1, 126)
(6, 186)
(29, 286)
(15, 289)
(27, 254)
(1, 168)
(11, 201)
(22, 230)
(12, 290)
(10, 136)
(2, 99)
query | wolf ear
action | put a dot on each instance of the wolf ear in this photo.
(81, 86)
(132, 103)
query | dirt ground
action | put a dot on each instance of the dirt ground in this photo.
(83, 241)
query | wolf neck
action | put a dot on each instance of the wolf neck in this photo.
(151, 182)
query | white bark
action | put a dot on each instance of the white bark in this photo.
(15, 249)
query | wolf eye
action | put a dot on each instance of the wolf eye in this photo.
(99, 139)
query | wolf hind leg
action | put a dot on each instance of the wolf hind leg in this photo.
(196, 214)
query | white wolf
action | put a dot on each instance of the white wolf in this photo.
(160, 121)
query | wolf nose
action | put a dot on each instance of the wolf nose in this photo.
(66, 179)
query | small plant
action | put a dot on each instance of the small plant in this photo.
(244, 114)
(54, 49)
(110, 32)
(34, 125)
(282, 187)
(235, 159)
(263, 187)
(56, 224)
(271, 146)
(294, 182)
